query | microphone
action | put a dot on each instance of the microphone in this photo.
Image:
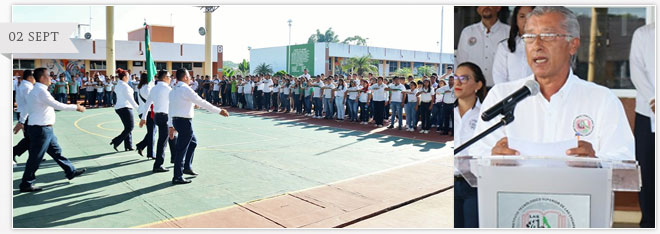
(531, 88)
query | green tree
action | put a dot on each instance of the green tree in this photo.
(280, 73)
(361, 65)
(244, 68)
(328, 36)
(228, 72)
(263, 69)
(425, 71)
(403, 72)
(356, 40)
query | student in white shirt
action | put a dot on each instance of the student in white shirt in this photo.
(566, 105)
(241, 96)
(26, 85)
(159, 96)
(316, 97)
(90, 92)
(378, 93)
(328, 94)
(285, 91)
(470, 89)
(642, 74)
(426, 96)
(478, 41)
(248, 89)
(352, 100)
(144, 87)
(124, 108)
(340, 99)
(306, 89)
(41, 112)
(445, 99)
(396, 101)
(510, 61)
(181, 112)
(363, 101)
(275, 96)
(107, 94)
(411, 107)
(135, 82)
(216, 91)
(98, 86)
(267, 84)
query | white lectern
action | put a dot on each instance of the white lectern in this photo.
(547, 192)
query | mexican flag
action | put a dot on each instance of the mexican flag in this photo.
(149, 64)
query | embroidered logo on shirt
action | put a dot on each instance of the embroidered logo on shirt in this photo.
(583, 125)
(473, 124)
(472, 41)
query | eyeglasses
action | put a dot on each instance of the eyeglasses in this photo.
(462, 79)
(529, 38)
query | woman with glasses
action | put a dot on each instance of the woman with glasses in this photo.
(510, 59)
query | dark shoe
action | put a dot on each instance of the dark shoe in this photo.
(390, 127)
(31, 189)
(15, 158)
(140, 152)
(129, 149)
(189, 172)
(181, 181)
(76, 173)
(160, 169)
(114, 146)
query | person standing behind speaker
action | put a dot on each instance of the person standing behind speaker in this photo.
(159, 96)
(41, 111)
(510, 61)
(124, 108)
(143, 93)
(181, 112)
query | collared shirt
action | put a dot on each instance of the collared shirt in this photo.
(268, 85)
(89, 86)
(445, 94)
(316, 89)
(396, 92)
(159, 96)
(378, 92)
(464, 128)
(412, 96)
(340, 91)
(21, 99)
(364, 96)
(216, 85)
(477, 46)
(247, 87)
(327, 91)
(353, 94)
(509, 66)
(642, 67)
(42, 106)
(426, 96)
(579, 106)
(182, 101)
(143, 94)
(124, 96)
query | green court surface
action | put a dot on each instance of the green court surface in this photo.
(240, 159)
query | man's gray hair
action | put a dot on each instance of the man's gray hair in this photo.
(570, 23)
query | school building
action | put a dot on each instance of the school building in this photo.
(326, 58)
(129, 55)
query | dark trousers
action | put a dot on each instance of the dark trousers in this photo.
(364, 113)
(275, 100)
(91, 97)
(258, 97)
(126, 116)
(318, 106)
(379, 109)
(466, 209)
(266, 101)
(426, 115)
(43, 140)
(446, 117)
(645, 155)
(24, 144)
(73, 98)
(107, 98)
(163, 139)
(83, 92)
(185, 146)
(148, 140)
(215, 97)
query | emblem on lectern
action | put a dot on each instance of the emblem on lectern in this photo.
(543, 212)
(583, 125)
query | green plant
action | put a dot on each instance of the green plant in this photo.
(244, 68)
(263, 69)
(228, 72)
(328, 36)
(425, 71)
(280, 73)
(361, 65)
(356, 40)
(403, 72)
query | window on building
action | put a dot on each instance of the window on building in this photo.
(23, 64)
(176, 66)
(405, 64)
(138, 64)
(161, 66)
(392, 65)
(122, 64)
(16, 64)
(197, 64)
(97, 65)
(187, 66)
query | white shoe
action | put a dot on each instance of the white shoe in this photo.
(421, 131)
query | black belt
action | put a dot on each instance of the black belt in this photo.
(41, 126)
(124, 108)
(182, 118)
(161, 113)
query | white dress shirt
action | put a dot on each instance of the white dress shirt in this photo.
(159, 96)
(477, 46)
(445, 94)
(42, 106)
(247, 87)
(642, 67)
(542, 121)
(124, 96)
(340, 91)
(426, 97)
(182, 101)
(268, 85)
(353, 94)
(22, 99)
(378, 92)
(464, 126)
(396, 94)
(509, 66)
(144, 93)
(412, 96)
(327, 92)
(364, 96)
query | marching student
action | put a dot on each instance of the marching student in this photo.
(352, 102)
(144, 87)
(377, 96)
(363, 101)
(159, 96)
(470, 89)
(396, 101)
(426, 95)
(181, 112)
(41, 112)
(124, 108)
(24, 88)
(340, 100)
(411, 107)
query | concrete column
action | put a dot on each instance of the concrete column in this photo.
(169, 66)
(333, 60)
(87, 68)
(208, 66)
(37, 63)
(110, 40)
(130, 66)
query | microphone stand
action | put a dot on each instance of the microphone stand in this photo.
(507, 119)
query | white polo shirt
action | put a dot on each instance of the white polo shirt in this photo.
(445, 94)
(464, 126)
(477, 46)
(426, 96)
(340, 91)
(364, 96)
(396, 94)
(327, 92)
(353, 95)
(268, 83)
(378, 92)
(316, 89)
(578, 107)
(509, 66)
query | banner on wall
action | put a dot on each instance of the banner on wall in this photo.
(299, 58)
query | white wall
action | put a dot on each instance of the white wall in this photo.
(274, 56)
(379, 53)
(319, 58)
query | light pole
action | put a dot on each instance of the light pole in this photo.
(442, 18)
(288, 50)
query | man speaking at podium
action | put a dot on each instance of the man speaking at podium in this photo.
(567, 108)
